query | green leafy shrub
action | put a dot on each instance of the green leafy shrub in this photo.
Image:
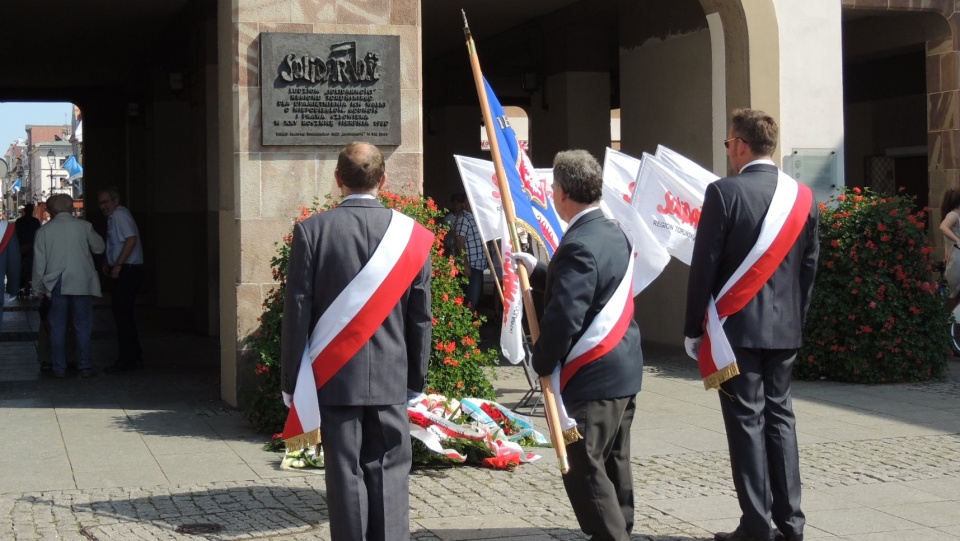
(875, 316)
(456, 360)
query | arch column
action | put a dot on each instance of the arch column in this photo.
(751, 41)
(263, 188)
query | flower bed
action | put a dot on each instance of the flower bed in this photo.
(876, 315)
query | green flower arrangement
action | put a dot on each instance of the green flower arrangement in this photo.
(456, 360)
(876, 315)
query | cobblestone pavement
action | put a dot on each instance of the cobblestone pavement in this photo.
(452, 503)
(675, 496)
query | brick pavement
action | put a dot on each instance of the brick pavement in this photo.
(456, 503)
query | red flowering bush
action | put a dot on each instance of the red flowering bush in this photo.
(876, 316)
(456, 360)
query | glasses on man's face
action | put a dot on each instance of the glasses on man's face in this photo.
(103, 201)
(726, 144)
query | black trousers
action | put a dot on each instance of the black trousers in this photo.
(762, 439)
(366, 451)
(600, 483)
(124, 295)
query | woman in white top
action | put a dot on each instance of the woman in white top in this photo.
(950, 227)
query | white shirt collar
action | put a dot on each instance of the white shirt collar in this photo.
(758, 162)
(359, 196)
(578, 215)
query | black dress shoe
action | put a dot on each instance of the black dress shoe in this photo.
(738, 535)
(780, 536)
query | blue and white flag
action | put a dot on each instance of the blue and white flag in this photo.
(532, 196)
(73, 168)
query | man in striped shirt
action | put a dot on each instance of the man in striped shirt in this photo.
(470, 246)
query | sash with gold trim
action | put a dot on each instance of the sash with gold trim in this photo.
(781, 227)
(352, 318)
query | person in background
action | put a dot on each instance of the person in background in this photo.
(123, 264)
(64, 272)
(9, 261)
(950, 227)
(757, 239)
(27, 226)
(470, 246)
(457, 202)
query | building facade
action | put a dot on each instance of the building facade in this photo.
(865, 92)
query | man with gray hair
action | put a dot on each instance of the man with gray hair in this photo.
(587, 329)
(124, 265)
(63, 271)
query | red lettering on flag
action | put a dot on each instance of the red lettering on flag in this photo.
(679, 208)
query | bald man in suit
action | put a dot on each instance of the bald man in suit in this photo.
(364, 426)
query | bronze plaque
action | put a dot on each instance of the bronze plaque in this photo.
(329, 89)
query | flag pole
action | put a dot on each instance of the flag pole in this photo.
(496, 279)
(549, 399)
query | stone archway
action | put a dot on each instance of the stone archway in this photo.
(751, 45)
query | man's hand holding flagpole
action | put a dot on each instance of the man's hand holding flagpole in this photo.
(549, 400)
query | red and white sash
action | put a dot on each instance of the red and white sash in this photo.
(781, 227)
(605, 331)
(353, 317)
(6, 233)
(602, 335)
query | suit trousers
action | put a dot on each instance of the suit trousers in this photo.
(366, 451)
(600, 483)
(762, 439)
(124, 298)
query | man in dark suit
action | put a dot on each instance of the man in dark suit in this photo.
(583, 285)
(766, 332)
(364, 427)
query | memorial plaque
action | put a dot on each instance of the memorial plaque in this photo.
(329, 89)
(815, 167)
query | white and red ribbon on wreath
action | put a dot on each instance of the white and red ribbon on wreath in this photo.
(432, 421)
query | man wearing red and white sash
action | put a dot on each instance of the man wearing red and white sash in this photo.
(587, 328)
(372, 345)
(751, 279)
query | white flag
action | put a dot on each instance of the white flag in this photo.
(685, 168)
(511, 331)
(483, 191)
(649, 256)
(620, 173)
(670, 204)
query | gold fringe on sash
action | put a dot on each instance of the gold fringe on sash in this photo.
(303, 441)
(571, 435)
(714, 380)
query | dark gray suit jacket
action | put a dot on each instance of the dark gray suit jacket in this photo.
(582, 276)
(328, 250)
(733, 211)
